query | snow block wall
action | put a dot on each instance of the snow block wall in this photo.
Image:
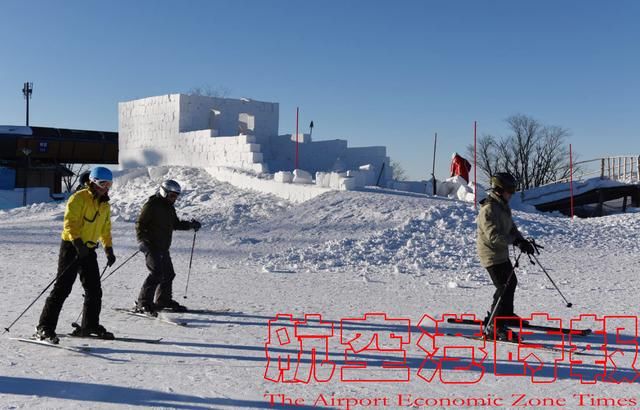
(292, 192)
(228, 116)
(241, 134)
(179, 129)
(322, 156)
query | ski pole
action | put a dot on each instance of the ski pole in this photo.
(7, 329)
(193, 245)
(121, 265)
(101, 275)
(569, 304)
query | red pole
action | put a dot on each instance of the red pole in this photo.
(475, 166)
(297, 113)
(571, 179)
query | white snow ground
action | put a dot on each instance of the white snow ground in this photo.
(341, 255)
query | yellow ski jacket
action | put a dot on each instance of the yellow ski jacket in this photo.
(87, 218)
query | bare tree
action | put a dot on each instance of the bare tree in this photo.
(487, 162)
(535, 154)
(208, 91)
(71, 181)
(399, 174)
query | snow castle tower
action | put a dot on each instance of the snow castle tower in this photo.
(201, 131)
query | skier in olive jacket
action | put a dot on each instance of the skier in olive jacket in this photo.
(154, 231)
(496, 231)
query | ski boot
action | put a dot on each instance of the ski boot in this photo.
(513, 320)
(501, 333)
(98, 332)
(148, 309)
(46, 335)
(172, 306)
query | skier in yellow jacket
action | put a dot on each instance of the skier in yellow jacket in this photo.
(87, 220)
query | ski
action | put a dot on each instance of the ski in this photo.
(201, 311)
(158, 318)
(527, 325)
(572, 332)
(117, 339)
(86, 350)
(577, 351)
(78, 349)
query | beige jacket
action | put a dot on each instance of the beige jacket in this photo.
(496, 231)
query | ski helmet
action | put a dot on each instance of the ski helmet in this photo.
(504, 182)
(169, 186)
(99, 174)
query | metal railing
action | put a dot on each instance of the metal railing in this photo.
(621, 168)
(624, 168)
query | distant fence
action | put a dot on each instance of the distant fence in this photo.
(624, 168)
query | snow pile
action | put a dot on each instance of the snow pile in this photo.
(49, 210)
(441, 236)
(217, 205)
(457, 188)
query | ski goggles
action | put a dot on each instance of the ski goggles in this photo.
(172, 195)
(103, 183)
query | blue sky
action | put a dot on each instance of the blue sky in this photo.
(374, 72)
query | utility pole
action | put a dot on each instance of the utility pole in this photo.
(297, 115)
(433, 170)
(27, 90)
(475, 165)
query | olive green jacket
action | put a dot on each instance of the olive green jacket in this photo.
(496, 231)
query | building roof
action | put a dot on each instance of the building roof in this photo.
(58, 145)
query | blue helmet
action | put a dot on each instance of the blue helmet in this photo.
(100, 174)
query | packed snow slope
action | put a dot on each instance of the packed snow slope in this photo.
(341, 255)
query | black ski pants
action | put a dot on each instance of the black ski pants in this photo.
(68, 268)
(158, 287)
(504, 279)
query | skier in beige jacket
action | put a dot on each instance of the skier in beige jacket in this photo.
(496, 231)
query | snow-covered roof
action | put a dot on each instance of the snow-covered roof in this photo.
(554, 192)
(15, 130)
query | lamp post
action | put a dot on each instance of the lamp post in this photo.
(27, 90)
(26, 152)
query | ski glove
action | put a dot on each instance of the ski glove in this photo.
(82, 249)
(144, 247)
(526, 247)
(195, 225)
(111, 258)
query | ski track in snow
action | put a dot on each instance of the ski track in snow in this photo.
(341, 255)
